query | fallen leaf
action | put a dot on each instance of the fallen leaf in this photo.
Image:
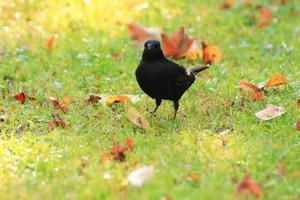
(140, 176)
(269, 112)
(93, 98)
(211, 54)
(177, 44)
(298, 125)
(249, 186)
(21, 128)
(50, 42)
(249, 90)
(136, 118)
(193, 53)
(227, 4)
(106, 157)
(21, 97)
(118, 99)
(195, 178)
(141, 34)
(55, 122)
(298, 103)
(118, 151)
(3, 116)
(67, 100)
(276, 80)
(57, 104)
(264, 17)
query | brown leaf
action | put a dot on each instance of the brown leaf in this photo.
(249, 186)
(50, 42)
(298, 103)
(276, 80)
(141, 34)
(177, 44)
(264, 16)
(55, 122)
(21, 97)
(57, 104)
(135, 117)
(269, 112)
(298, 125)
(251, 91)
(227, 4)
(21, 128)
(92, 99)
(211, 54)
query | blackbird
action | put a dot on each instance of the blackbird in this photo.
(162, 79)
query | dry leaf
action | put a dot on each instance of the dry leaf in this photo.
(249, 90)
(3, 116)
(93, 98)
(298, 125)
(193, 53)
(269, 112)
(135, 117)
(21, 97)
(176, 45)
(57, 104)
(276, 80)
(298, 103)
(141, 34)
(67, 100)
(227, 4)
(50, 42)
(211, 54)
(141, 175)
(264, 16)
(118, 99)
(55, 122)
(118, 151)
(21, 128)
(249, 186)
(107, 99)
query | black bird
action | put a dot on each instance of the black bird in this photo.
(162, 79)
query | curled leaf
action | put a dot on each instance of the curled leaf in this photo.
(118, 151)
(57, 104)
(136, 118)
(93, 98)
(56, 121)
(276, 80)
(249, 186)
(211, 54)
(118, 99)
(251, 91)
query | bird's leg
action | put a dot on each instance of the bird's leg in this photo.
(158, 102)
(176, 106)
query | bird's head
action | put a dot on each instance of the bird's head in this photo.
(152, 50)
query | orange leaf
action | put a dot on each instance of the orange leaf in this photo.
(249, 186)
(276, 80)
(118, 99)
(177, 44)
(141, 34)
(105, 158)
(118, 151)
(67, 100)
(211, 54)
(129, 144)
(50, 42)
(298, 125)
(250, 90)
(21, 97)
(265, 17)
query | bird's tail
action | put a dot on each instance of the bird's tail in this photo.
(196, 70)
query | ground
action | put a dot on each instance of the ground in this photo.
(66, 163)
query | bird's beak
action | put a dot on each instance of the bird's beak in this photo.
(149, 46)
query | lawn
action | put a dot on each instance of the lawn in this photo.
(93, 53)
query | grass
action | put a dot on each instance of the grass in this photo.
(66, 163)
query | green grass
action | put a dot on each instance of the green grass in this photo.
(38, 164)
